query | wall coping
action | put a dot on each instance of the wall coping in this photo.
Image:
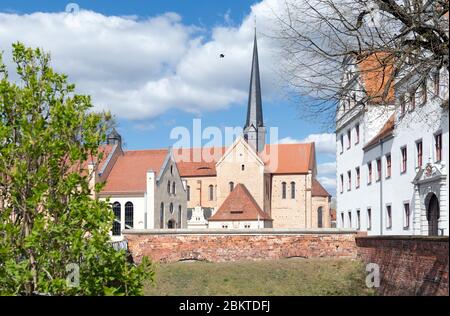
(406, 238)
(265, 231)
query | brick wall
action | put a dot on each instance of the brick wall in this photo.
(408, 265)
(234, 245)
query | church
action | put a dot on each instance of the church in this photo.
(248, 185)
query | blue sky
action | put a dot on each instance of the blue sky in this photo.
(178, 66)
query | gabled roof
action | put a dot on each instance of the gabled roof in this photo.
(376, 71)
(197, 162)
(385, 131)
(129, 172)
(251, 151)
(290, 159)
(318, 189)
(104, 151)
(239, 206)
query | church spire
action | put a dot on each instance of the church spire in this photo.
(254, 131)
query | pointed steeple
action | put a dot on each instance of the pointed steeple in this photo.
(255, 123)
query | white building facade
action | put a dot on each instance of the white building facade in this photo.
(144, 189)
(392, 159)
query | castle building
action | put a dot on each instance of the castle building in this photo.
(248, 185)
(392, 151)
(278, 180)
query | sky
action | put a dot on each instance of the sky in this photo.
(155, 65)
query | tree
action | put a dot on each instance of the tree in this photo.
(321, 37)
(51, 229)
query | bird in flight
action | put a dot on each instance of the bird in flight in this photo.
(221, 55)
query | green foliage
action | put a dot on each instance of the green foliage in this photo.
(48, 217)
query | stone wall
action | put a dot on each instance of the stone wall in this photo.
(220, 246)
(408, 265)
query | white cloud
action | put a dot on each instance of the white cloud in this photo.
(327, 168)
(329, 183)
(141, 68)
(325, 142)
(326, 174)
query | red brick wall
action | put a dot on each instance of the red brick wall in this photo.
(408, 265)
(233, 247)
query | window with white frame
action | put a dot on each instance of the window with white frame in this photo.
(388, 217)
(369, 219)
(406, 216)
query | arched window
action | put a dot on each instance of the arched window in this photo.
(211, 192)
(171, 208)
(129, 215)
(179, 216)
(292, 190)
(168, 187)
(173, 188)
(231, 184)
(117, 221)
(283, 190)
(161, 216)
(319, 218)
(188, 193)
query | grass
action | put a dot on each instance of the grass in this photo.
(286, 277)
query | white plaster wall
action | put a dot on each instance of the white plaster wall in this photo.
(139, 211)
(422, 123)
(239, 224)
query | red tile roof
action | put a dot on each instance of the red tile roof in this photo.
(239, 206)
(318, 189)
(279, 159)
(197, 162)
(290, 159)
(385, 131)
(129, 172)
(105, 150)
(376, 70)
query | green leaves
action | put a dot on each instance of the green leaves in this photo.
(48, 220)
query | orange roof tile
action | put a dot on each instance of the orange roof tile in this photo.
(318, 189)
(105, 150)
(385, 131)
(290, 159)
(279, 159)
(129, 172)
(239, 206)
(197, 162)
(376, 70)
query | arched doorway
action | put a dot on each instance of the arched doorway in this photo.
(171, 224)
(433, 215)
